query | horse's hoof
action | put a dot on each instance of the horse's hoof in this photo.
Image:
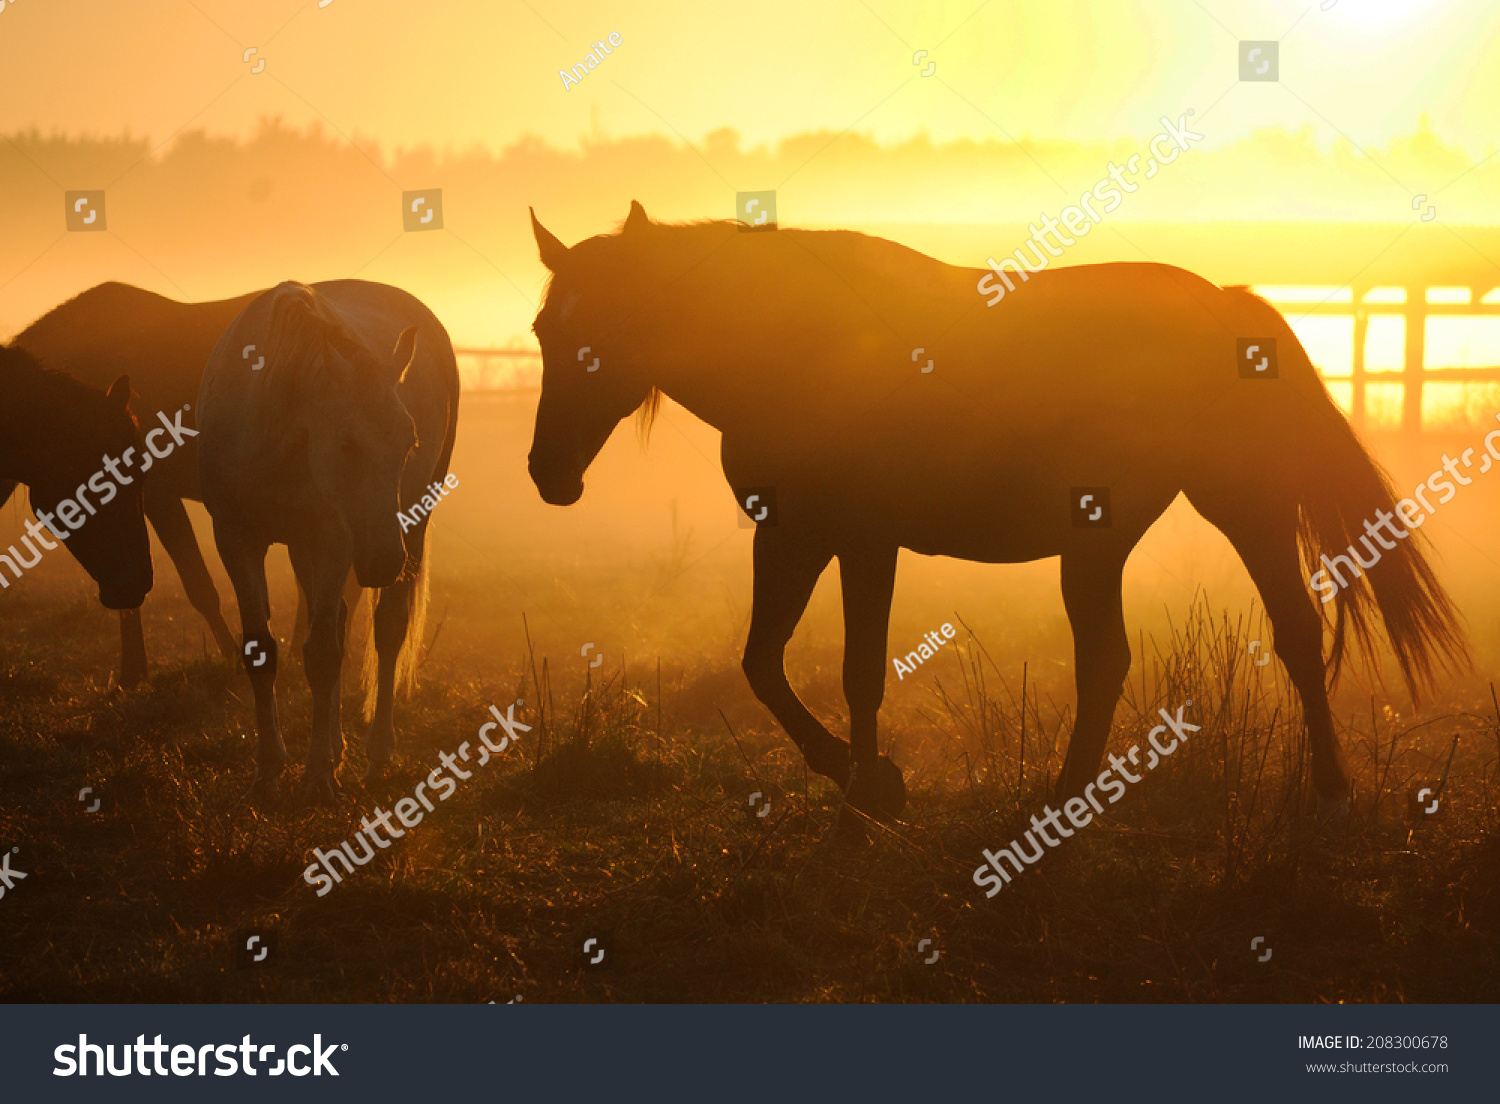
(380, 747)
(377, 769)
(319, 788)
(1067, 788)
(878, 790)
(1333, 809)
(851, 828)
(831, 760)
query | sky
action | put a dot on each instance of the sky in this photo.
(455, 73)
(944, 124)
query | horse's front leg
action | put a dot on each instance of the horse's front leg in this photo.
(321, 570)
(787, 567)
(868, 579)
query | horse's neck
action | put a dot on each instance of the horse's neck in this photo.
(685, 364)
(25, 419)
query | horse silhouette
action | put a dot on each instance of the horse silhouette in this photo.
(321, 448)
(873, 402)
(56, 434)
(162, 345)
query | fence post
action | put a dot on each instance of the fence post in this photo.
(1412, 369)
(1357, 369)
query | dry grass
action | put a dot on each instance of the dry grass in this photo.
(627, 816)
(626, 813)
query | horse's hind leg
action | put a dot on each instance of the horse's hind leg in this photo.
(245, 561)
(868, 577)
(786, 570)
(321, 573)
(1266, 540)
(173, 527)
(1101, 658)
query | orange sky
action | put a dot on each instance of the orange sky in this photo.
(464, 71)
(1378, 101)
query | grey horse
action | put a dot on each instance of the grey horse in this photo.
(323, 446)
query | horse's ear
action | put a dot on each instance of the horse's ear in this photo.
(636, 221)
(554, 253)
(119, 392)
(405, 352)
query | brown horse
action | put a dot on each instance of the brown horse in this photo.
(162, 345)
(871, 402)
(80, 452)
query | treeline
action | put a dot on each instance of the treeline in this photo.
(200, 216)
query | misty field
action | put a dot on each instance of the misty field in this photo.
(625, 814)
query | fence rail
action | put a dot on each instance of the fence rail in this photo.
(1414, 373)
(506, 369)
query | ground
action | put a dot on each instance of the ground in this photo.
(625, 815)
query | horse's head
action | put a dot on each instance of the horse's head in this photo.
(104, 517)
(592, 374)
(357, 429)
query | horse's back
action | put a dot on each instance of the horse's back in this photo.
(234, 404)
(114, 329)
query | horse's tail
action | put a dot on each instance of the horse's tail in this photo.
(1337, 487)
(410, 656)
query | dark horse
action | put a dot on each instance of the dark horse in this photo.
(1117, 380)
(56, 436)
(162, 344)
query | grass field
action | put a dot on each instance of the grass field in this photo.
(625, 813)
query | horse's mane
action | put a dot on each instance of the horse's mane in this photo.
(860, 249)
(302, 325)
(646, 413)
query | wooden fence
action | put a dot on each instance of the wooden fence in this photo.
(1414, 373)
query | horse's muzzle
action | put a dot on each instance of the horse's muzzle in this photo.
(556, 491)
(377, 572)
(129, 597)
